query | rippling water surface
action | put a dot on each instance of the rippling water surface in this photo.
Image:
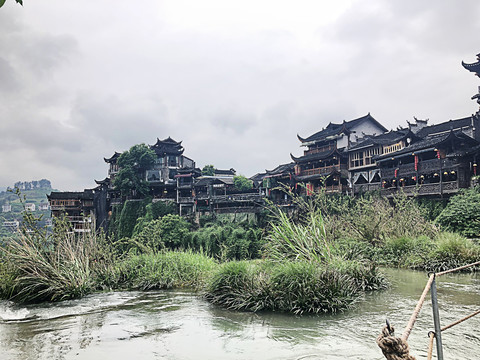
(180, 325)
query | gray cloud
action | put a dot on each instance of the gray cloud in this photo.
(78, 85)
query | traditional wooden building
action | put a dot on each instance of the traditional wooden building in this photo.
(77, 207)
(170, 160)
(364, 173)
(274, 183)
(324, 163)
(439, 164)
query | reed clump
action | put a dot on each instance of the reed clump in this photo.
(52, 267)
(161, 270)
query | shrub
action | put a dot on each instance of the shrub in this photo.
(462, 213)
(292, 286)
(452, 250)
(302, 287)
(227, 242)
(169, 232)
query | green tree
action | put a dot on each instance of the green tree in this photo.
(242, 183)
(208, 170)
(133, 163)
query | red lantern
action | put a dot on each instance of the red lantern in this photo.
(416, 162)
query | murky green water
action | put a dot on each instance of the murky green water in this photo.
(180, 325)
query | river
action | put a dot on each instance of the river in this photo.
(181, 325)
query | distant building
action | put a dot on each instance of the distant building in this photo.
(12, 225)
(30, 207)
(43, 207)
(6, 208)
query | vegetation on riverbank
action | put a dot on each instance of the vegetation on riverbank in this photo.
(319, 258)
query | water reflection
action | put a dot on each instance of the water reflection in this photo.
(180, 325)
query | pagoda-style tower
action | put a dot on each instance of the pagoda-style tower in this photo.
(475, 68)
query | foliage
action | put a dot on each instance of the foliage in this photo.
(153, 211)
(131, 211)
(241, 183)
(208, 170)
(133, 163)
(168, 232)
(452, 250)
(53, 267)
(289, 286)
(298, 241)
(462, 213)
(164, 270)
(227, 241)
(368, 217)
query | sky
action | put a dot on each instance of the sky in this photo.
(236, 81)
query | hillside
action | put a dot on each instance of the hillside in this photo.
(34, 192)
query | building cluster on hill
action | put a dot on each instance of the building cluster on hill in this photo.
(350, 157)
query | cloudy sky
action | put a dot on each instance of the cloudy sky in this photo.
(235, 80)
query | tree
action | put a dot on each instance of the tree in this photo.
(18, 1)
(208, 170)
(242, 183)
(133, 163)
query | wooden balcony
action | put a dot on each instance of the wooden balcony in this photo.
(320, 171)
(449, 187)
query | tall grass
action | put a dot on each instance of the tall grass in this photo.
(292, 286)
(163, 270)
(298, 241)
(54, 268)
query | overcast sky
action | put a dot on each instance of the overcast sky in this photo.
(234, 80)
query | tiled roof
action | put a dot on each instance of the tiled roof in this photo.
(446, 126)
(317, 156)
(430, 142)
(335, 129)
(281, 169)
(388, 138)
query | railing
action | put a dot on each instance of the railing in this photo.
(320, 171)
(237, 197)
(185, 200)
(79, 219)
(392, 346)
(425, 189)
(64, 207)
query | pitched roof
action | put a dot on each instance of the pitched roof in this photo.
(475, 67)
(336, 129)
(431, 142)
(316, 156)
(208, 180)
(281, 169)
(446, 126)
(388, 138)
(71, 195)
(112, 158)
(167, 146)
(230, 172)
